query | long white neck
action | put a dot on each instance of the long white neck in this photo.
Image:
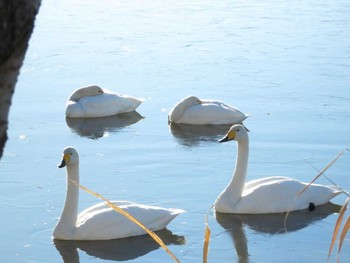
(76, 96)
(67, 222)
(233, 192)
(237, 183)
(178, 110)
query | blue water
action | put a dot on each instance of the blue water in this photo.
(285, 63)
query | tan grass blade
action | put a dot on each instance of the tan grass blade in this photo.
(337, 225)
(312, 181)
(206, 243)
(207, 233)
(329, 179)
(131, 218)
(343, 234)
(324, 169)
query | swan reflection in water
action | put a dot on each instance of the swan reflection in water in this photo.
(95, 128)
(116, 249)
(270, 224)
(193, 135)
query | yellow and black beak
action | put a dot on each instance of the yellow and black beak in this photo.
(65, 160)
(229, 136)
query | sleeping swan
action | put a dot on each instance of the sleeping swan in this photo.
(92, 101)
(100, 222)
(192, 110)
(267, 195)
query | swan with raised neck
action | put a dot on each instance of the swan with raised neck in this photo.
(100, 222)
(275, 194)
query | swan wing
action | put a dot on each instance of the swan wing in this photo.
(211, 113)
(85, 214)
(262, 181)
(280, 194)
(104, 223)
(134, 100)
(106, 104)
(219, 103)
(226, 106)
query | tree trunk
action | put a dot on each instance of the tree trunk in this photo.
(16, 26)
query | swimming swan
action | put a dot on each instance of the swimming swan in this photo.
(267, 195)
(93, 101)
(100, 222)
(192, 110)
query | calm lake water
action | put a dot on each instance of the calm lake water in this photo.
(285, 63)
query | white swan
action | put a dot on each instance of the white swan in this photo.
(192, 110)
(92, 101)
(267, 195)
(100, 222)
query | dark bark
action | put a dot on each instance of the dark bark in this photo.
(16, 26)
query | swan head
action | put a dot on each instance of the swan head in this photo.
(95, 89)
(86, 91)
(70, 156)
(191, 100)
(188, 102)
(92, 90)
(177, 111)
(237, 132)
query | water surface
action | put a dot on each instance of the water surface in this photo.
(286, 64)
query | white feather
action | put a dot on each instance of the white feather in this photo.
(192, 110)
(100, 222)
(274, 194)
(93, 101)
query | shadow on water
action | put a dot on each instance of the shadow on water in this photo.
(117, 249)
(95, 128)
(192, 135)
(269, 224)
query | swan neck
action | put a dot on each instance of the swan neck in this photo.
(70, 210)
(75, 97)
(178, 111)
(237, 183)
(242, 160)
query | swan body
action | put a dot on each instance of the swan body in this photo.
(274, 194)
(93, 101)
(100, 222)
(192, 110)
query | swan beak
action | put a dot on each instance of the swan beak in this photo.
(224, 139)
(229, 136)
(65, 161)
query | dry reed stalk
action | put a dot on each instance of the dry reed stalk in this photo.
(322, 172)
(343, 233)
(207, 233)
(341, 213)
(337, 225)
(131, 218)
(206, 242)
(313, 180)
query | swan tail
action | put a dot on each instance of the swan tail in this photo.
(177, 211)
(247, 115)
(337, 190)
(136, 100)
